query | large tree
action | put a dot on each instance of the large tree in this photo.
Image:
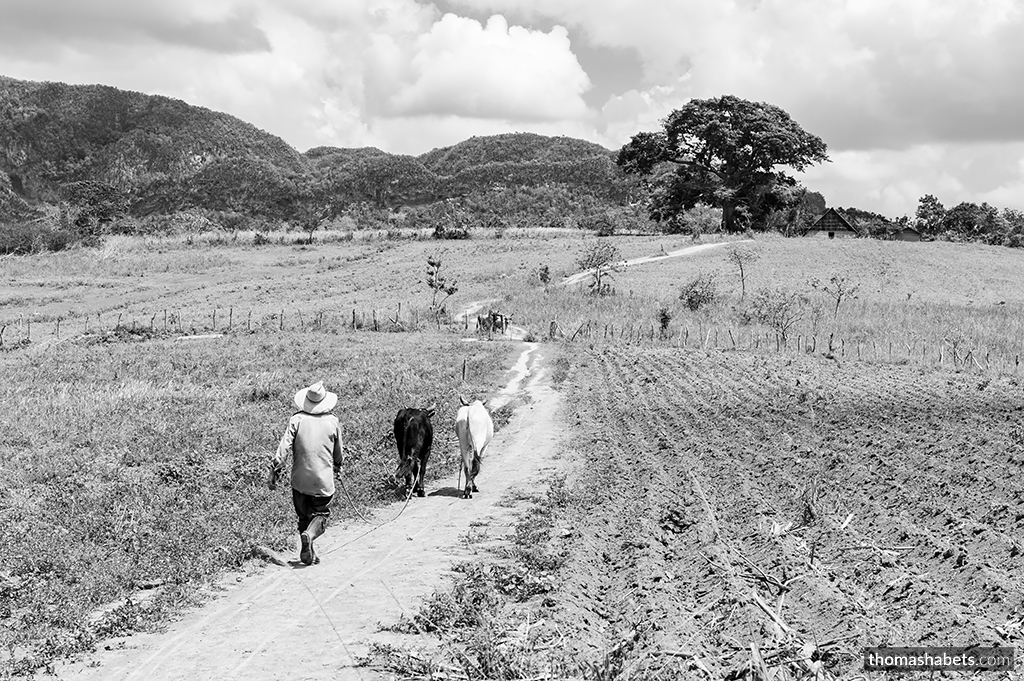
(725, 150)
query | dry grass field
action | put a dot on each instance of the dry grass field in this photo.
(134, 467)
(720, 499)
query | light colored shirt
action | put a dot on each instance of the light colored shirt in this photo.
(314, 441)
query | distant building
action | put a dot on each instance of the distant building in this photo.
(907, 233)
(832, 224)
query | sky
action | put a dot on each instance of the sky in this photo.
(913, 97)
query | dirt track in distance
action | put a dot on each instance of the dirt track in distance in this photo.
(297, 622)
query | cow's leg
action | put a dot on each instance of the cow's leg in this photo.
(477, 461)
(467, 492)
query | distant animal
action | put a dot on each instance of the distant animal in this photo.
(414, 434)
(475, 429)
(483, 321)
(500, 322)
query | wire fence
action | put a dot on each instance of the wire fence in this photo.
(190, 323)
(906, 349)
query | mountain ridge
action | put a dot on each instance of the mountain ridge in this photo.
(165, 155)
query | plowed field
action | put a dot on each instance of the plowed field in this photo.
(777, 513)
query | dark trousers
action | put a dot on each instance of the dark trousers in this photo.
(308, 507)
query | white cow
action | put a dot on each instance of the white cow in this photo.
(475, 429)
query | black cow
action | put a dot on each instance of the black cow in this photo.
(500, 322)
(413, 434)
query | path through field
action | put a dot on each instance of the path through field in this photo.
(297, 622)
(689, 250)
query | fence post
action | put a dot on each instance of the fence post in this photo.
(281, 321)
(465, 364)
(375, 320)
(214, 320)
(58, 327)
(353, 319)
(248, 321)
(231, 314)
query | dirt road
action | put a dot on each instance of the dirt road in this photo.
(689, 250)
(317, 622)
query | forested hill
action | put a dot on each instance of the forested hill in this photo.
(161, 152)
(156, 155)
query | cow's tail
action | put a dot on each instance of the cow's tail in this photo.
(407, 456)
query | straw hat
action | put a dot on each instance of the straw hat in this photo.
(316, 399)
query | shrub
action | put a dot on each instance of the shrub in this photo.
(699, 292)
(260, 239)
(21, 238)
(601, 224)
(664, 319)
(777, 309)
(450, 231)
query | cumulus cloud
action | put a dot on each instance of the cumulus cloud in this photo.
(458, 67)
(864, 74)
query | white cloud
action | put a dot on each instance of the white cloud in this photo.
(892, 181)
(459, 67)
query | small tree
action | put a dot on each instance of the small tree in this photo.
(310, 218)
(839, 288)
(777, 309)
(742, 257)
(601, 259)
(439, 284)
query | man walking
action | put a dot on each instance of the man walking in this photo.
(313, 438)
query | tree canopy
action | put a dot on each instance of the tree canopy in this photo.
(725, 151)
